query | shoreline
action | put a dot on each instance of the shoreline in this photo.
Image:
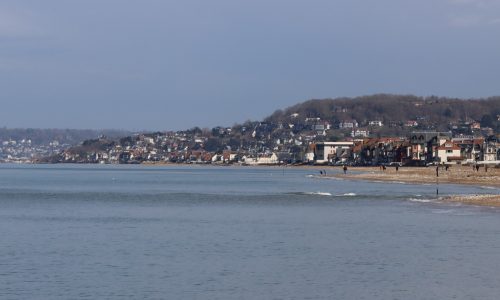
(426, 175)
(462, 175)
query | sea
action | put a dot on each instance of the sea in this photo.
(204, 232)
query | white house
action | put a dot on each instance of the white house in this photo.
(263, 160)
(325, 152)
(448, 152)
(360, 133)
(348, 124)
(490, 150)
(376, 123)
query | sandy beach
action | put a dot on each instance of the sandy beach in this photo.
(454, 175)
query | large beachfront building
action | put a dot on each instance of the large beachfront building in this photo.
(328, 152)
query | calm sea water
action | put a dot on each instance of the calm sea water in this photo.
(135, 232)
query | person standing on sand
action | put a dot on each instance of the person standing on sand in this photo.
(345, 169)
(397, 168)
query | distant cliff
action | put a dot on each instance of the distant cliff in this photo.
(38, 136)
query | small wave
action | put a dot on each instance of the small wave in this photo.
(311, 193)
(310, 176)
(444, 211)
(420, 200)
(320, 193)
(348, 194)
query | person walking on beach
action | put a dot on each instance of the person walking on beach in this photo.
(397, 168)
(345, 169)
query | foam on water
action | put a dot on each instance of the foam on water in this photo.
(420, 200)
(349, 194)
(320, 193)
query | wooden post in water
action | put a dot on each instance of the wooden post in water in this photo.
(437, 180)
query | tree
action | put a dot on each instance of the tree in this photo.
(213, 145)
(487, 121)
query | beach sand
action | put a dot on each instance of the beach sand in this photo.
(454, 175)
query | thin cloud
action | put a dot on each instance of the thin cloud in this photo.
(473, 13)
(480, 3)
(15, 24)
(465, 21)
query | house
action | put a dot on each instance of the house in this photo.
(229, 156)
(309, 155)
(448, 152)
(491, 149)
(411, 123)
(471, 148)
(423, 145)
(376, 123)
(360, 133)
(475, 125)
(394, 124)
(348, 124)
(261, 160)
(375, 151)
(324, 125)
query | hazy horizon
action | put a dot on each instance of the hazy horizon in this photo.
(165, 65)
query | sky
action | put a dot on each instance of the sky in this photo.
(172, 65)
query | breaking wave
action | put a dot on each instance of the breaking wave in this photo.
(348, 194)
(313, 193)
(420, 200)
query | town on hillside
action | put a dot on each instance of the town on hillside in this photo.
(307, 141)
(30, 145)
(368, 130)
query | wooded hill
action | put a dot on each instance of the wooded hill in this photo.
(437, 112)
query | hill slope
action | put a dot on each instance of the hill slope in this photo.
(436, 111)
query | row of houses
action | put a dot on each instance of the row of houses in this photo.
(420, 148)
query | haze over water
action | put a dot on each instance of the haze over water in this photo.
(135, 232)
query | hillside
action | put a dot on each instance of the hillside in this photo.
(62, 136)
(291, 132)
(434, 112)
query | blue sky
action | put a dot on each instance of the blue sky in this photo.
(160, 64)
